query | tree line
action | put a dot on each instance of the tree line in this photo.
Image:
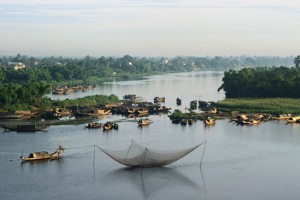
(59, 70)
(262, 82)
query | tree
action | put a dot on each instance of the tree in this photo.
(297, 62)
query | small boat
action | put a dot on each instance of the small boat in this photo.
(193, 104)
(282, 117)
(60, 112)
(295, 119)
(143, 111)
(183, 122)
(109, 126)
(24, 128)
(145, 121)
(102, 111)
(131, 110)
(209, 122)
(43, 155)
(178, 101)
(213, 111)
(190, 121)
(93, 125)
(159, 99)
(202, 104)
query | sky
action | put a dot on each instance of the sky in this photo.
(150, 27)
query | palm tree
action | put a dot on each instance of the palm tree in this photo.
(297, 61)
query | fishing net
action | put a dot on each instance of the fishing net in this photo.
(137, 155)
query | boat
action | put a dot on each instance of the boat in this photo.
(131, 110)
(159, 99)
(102, 111)
(145, 121)
(202, 104)
(143, 111)
(24, 128)
(295, 119)
(193, 104)
(190, 121)
(93, 125)
(213, 111)
(282, 117)
(60, 112)
(109, 126)
(178, 101)
(209, 122)
(183, 122)
(43, 155)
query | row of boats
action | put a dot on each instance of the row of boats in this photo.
(69, 90)
(260, 118)
(207, 122)
(112, 125)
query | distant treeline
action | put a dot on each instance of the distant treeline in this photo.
(59, 70)
(262, 82)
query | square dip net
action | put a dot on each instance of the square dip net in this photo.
(137, 155)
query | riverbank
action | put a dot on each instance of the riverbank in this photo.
(272, 106)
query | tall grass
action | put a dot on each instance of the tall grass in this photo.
(261, 105)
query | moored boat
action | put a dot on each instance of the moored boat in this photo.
(178, 101)
(24, 128)
(93, 125)
(43, 155)
(159, 99)
(209, 122)
(145, 121)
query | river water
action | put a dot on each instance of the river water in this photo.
(240, 162)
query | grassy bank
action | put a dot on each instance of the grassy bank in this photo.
(260, 105)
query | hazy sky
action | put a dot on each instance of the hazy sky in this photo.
(149, 27)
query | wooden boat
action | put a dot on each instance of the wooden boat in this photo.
(109, 126)
(213, 111)
(183, 122)
(293, 119)
(282, 117)
(102, 111)
(93, 125)
(131, 110)
(209, 122)
(143, 111)
(190, 121)
(24, 128)
(159, 99)
(202, 104)
(193, 104)
(145, 121)
(178, 101)
(43, 155)
(60, 112)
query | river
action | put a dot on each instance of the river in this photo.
(239, 162)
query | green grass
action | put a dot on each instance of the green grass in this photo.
(261, 105)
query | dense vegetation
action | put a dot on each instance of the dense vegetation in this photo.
(14, 96)
(262, 82)
(58, 70)
(259, 105)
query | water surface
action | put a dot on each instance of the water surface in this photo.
(240, 162)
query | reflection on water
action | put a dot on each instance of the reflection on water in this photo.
(158, 183)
